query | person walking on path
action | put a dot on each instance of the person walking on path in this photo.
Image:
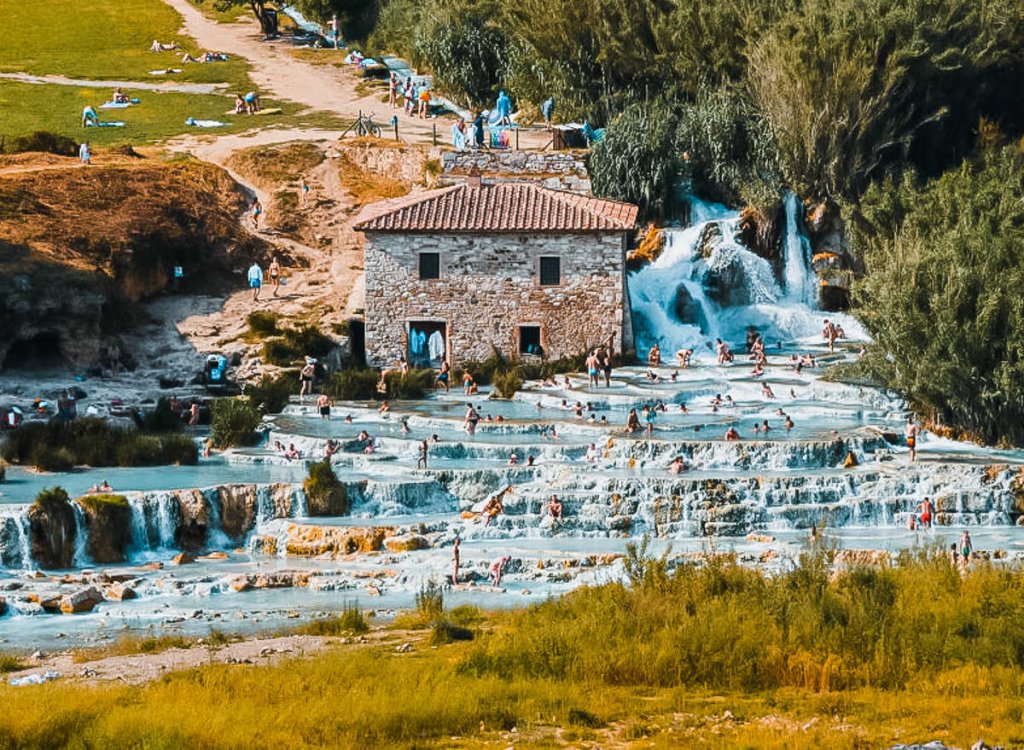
(255, 210)
(275, 274)
(547, 109)
(303, 192)
(83, 152)
(255, 276)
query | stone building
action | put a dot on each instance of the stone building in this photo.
(517, 267)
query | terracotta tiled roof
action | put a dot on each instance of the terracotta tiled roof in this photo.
(497, 209)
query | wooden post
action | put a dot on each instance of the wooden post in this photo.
(394, 123)
(435, 133)
(517, 139)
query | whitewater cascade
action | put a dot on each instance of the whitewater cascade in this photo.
(707, 284)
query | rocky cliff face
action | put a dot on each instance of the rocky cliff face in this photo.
(79, 247)
(52, 529)
(108, 522)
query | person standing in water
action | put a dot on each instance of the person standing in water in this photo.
(455, 559)
(422, 464)
(927, 513)
(911, 432)
(593, 371)
(966, 548)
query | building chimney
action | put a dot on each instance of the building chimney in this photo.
(473, 178)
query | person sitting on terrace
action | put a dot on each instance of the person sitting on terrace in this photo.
(633, 421)
(292, 454)
(555, 507)
(732, 434)
(678, 466)
(654, 356)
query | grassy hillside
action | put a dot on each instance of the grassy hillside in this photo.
(102, 40)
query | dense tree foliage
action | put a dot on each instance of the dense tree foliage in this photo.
(942, 296)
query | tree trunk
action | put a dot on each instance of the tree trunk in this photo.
(268, 21)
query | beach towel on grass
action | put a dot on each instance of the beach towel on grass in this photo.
(113, 124)
(119, 105)
(193, 122)
(164, 71)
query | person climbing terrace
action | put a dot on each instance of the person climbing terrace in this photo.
(306, 376)
(654, 356)
(497, 568)
(632, 422)
(443, 376)
(555, 508)
(725, 356)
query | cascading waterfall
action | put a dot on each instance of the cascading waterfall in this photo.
(15, 539)
(797, 273)
(707, 284)
(81, 558)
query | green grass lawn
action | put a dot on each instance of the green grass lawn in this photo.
(103, 40)
(25, 108)
(231, 15)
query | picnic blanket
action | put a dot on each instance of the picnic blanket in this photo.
(119, 105)
(164, 71)
(111, 124)
(193, 122)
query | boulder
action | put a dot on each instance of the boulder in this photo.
(263, 544)
(195, 519)
(850, 461)
(84, 600)
(52, 529)
(238, 505)
(688, 310)
(406, 543)
(119, 593)
(108, 522)
(3, 606)
(182, 558)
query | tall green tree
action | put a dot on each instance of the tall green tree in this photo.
(942, 293)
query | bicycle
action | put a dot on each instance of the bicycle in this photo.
(363, 126)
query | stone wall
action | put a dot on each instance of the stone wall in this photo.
(489, 286)
(412, 164)
(560, 170)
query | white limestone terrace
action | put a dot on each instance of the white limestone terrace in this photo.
(758, 497)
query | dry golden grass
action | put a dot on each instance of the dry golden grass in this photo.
(274, 166)
(368, 187)
(130, 220)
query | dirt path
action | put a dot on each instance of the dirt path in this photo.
(181, 88)
(135, 669)
(322, 87)
(321, 277)
(273, 70)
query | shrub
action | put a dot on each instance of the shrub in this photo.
(465, 615)
(325, 494)
(12, 663)
(234, 422)
(58, 446)
(44, 141)
(263, 323)
(352, 619)
(353, 385)
(443, 632)
(271, 394)
(109, 523)
(506, 384)
(160, 419)
(430, 601)
(411, 385)
(296, 343)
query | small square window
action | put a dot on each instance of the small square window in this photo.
(550, 271)
(430, 265)
(529, 340)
